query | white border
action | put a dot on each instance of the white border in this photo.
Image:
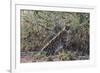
(16, 66)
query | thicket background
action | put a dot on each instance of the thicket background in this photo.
(39, 27)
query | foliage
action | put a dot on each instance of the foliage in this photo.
(39, 27)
